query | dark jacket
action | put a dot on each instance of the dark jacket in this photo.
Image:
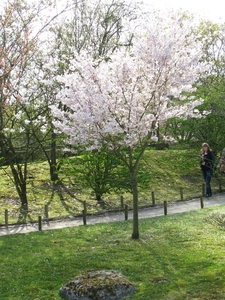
(207, 161)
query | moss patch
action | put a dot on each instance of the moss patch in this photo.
(97, 285)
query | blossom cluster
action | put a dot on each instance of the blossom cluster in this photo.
(122, 100)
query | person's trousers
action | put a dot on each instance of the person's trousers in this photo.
(207, 175)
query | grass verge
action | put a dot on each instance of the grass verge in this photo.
(178, 257)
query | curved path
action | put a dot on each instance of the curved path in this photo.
(176, 207)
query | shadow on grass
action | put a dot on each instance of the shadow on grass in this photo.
(63, 191)
(24, 215)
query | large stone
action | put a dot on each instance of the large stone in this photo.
(97, 285)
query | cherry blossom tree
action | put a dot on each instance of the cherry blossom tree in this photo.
(95, 26)
(121, 102)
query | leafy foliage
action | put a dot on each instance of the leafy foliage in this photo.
(211, 87)
(96, 169)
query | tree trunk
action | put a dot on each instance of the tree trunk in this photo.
(98, 197)
(53, 161)
(23, 195)
(53, 173)
(135, 234)
(20, 184)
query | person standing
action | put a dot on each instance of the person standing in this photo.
(221, 164)
(206, 163)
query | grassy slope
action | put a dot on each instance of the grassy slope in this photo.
(163, 172)
(178, 257)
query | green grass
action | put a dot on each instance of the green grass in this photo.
(178, 257)
(163, 172)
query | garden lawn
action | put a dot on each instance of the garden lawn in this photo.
(178, 257)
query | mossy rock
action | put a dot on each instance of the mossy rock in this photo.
(97, 285)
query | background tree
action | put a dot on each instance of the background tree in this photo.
(94, 169)
(45, 86)
(98, 27)
(120, 102)
(211, 87)
(21, 27)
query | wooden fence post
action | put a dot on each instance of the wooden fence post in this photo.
(6, 218)
(165, 207)
(203, 189)
(85, 206)
(181, 194)
(201, 202)
(153, 198)
(39, 223)
(126, 212)
(84, 217)
(121, 201)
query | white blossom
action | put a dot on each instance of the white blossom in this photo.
(27, 122)
(154, 138)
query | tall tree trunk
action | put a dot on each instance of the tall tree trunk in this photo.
(50, 156)
(135, 234)
(20, 179)
(54, 168)
(19, 171)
